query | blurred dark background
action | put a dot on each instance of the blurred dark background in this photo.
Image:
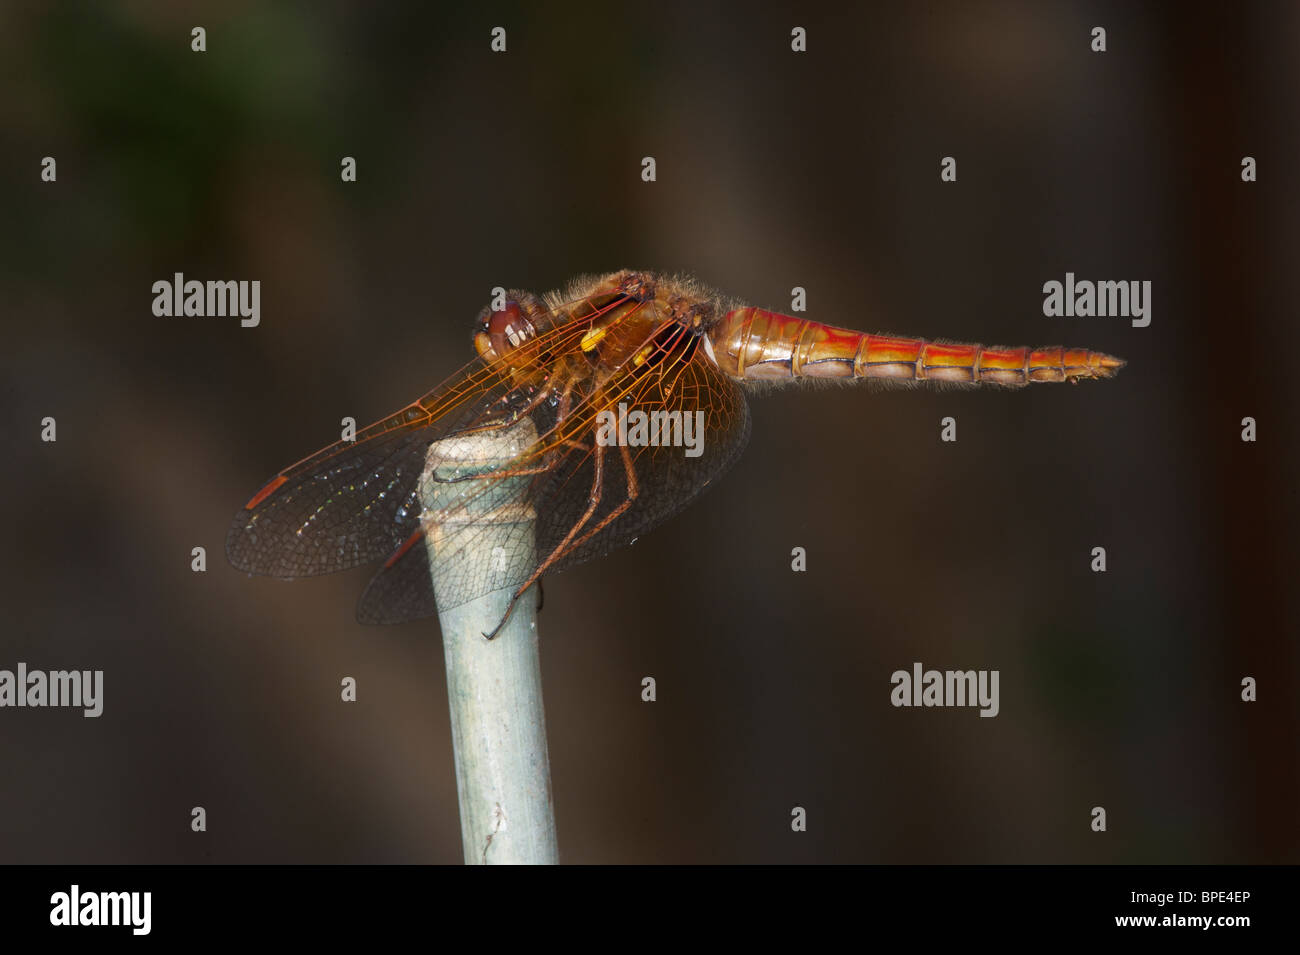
(775, 169)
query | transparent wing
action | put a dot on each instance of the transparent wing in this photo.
(587, 498)
(356, 502)
(353, 502)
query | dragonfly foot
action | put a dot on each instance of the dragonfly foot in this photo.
(492, 634)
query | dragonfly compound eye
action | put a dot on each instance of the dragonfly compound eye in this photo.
(503, 330)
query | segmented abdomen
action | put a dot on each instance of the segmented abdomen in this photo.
(758, 345)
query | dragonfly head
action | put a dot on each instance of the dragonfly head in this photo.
(500, 331)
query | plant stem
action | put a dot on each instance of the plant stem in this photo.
(494, 687)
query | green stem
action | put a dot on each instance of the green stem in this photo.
(494, 687)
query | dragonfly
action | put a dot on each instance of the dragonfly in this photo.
(630, 390)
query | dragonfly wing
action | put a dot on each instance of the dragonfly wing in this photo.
(356, 501)
(403, 589)
(568, 530)
(350, 510)
(665, 478)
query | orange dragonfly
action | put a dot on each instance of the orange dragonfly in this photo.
(632, 385)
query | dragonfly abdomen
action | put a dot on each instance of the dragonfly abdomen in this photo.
(756, 345)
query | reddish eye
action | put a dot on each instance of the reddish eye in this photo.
(508, 328)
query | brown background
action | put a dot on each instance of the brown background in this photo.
(775, 170)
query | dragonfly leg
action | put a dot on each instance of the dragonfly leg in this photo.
(510, 608)
(518, 472)
(562, 546)
(534, 403)
(542, 394)
(525, 471)
(633, 491)
(566, 403)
